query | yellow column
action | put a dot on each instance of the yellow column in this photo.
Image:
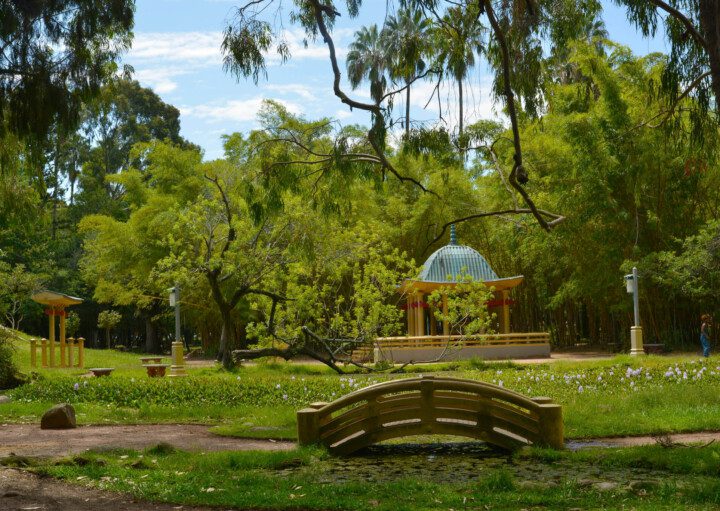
(33, 354)
(61, 313)
(81, 352)
(410, 316)
(505, 312)
(178, 362)
(420, 317)
(51, 337)
(433, 321)
(43, 352)
(446, 323)
(70, 345)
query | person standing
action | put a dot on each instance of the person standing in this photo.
(705, 334)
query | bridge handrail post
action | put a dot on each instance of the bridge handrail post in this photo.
(550, 424)
(308, 424)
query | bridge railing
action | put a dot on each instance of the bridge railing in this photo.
(429, 405)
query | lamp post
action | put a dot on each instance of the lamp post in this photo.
(636, 336)
(177, 368)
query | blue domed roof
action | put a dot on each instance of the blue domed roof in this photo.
(454, 261)
(451, 262)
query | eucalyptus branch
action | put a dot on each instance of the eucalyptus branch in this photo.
(555, 219)
(518, 172)
(682, 19)
(375, 108)
(228, 212)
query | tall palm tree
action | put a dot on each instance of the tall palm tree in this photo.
(407, 42)
(458, 39)
(368, 60)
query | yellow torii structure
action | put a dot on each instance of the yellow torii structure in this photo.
(56, 304)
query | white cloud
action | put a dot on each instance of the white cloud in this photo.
(190, 48)
(160, 79)
(343, 114)
(233, 110)
(304, 91)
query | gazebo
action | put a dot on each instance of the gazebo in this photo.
(428, 339)
(55, 306)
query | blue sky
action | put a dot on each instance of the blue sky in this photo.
(176, 52)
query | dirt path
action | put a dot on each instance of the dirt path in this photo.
(21, 491)
(30, 440)
(702, 437)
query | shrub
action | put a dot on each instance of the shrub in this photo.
(9, 376)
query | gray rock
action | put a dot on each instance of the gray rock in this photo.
(5, 399)
(60, 416)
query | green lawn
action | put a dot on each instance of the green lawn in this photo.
(645, 478)
(620, 396)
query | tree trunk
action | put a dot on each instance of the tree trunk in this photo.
(107, 338)
(226, 344)
(460, 109)
(407, 112)
(152, 344)
(709, 17)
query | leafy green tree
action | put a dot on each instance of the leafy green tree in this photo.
(107, 320)
(123, 115)
(72, 324)
(693, 30)
(120, 256)
(16, 287)
(55, 55)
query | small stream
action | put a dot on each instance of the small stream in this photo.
(461, 462)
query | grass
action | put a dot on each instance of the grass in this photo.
(618, 396)
(297, 480)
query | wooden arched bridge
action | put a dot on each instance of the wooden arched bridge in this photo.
(430, 405)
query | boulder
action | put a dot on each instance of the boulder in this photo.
(5, 399)
(60, 416)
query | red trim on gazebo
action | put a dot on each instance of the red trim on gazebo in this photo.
(415, 305)
(500, 302)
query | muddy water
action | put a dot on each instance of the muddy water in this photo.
(465, 462)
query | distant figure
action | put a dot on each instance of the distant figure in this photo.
(705, 333)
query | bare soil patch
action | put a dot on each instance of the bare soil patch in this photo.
(23, 491)
(30, 440)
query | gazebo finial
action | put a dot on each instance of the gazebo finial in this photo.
(453, 235)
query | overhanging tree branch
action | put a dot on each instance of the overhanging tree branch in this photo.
(518, 175)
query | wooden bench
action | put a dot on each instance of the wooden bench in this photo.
(156, 370)
(151, 360)
(101, 371)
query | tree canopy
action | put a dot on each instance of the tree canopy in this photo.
(54, 56)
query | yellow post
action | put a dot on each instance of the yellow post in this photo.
(70, 345)
(446, 323)
(81, 352)
(410, 316)
(51, 337)
(550, 424)
(420, 318)
(43, 352)
(433, 321)
(505, 312)
(33, 354)
(61, 313)
(178, 362)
